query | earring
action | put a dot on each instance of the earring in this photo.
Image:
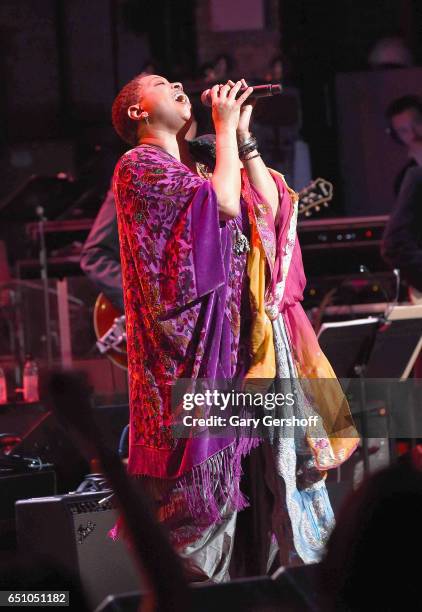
(145, 117)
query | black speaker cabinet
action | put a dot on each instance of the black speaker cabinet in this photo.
(20, 485)
(47, 440)
(71, 531)
(44, 437)
(288, 590)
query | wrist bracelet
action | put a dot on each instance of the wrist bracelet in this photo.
(245, 159)
(241, 143)
(247, 150)
(250, 145)
(244, 154)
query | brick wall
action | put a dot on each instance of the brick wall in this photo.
(252, 50)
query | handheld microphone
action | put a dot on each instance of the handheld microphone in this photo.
(259, 91)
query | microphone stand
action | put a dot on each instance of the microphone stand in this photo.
(392, 441)
(44, 278)
(360, 370)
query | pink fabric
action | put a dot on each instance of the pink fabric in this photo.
(338, 438)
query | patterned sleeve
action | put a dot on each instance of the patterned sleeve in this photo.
(169, 229)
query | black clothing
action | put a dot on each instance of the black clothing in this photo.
(100, 259)
(402, 240)
(400, 177)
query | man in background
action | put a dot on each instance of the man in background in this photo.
(100, 257)
(404, 116)
(402, 241)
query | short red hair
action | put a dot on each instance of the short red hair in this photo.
(126, 127)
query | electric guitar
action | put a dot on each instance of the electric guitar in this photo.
(109, 322)
(315, 196)
(110, 330)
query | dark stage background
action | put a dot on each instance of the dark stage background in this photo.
(63, 61)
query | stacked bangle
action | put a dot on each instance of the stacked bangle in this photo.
(248, 147)
(257, 154)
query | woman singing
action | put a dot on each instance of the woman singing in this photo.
(213, 277)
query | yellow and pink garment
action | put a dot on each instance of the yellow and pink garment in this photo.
(277, 282)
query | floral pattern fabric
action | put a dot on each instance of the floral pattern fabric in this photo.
(183, 290)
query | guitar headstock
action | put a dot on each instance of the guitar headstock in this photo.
(315, 196)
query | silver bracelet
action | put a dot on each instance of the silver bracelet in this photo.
(249, 144)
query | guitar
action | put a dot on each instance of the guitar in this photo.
(109, 327)
(109, 322)
(315, 196)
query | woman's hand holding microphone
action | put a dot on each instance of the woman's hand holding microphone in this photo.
(235, 116)
(226, 110)
(226, 114)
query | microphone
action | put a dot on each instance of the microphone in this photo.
(259, 91)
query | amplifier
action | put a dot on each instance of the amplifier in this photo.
(341, 232)
(355, 291)
(334, 251)
(71, 531)
(295, 589)
(14, 486)
(340, 245)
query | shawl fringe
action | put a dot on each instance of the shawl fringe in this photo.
(210, 490)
